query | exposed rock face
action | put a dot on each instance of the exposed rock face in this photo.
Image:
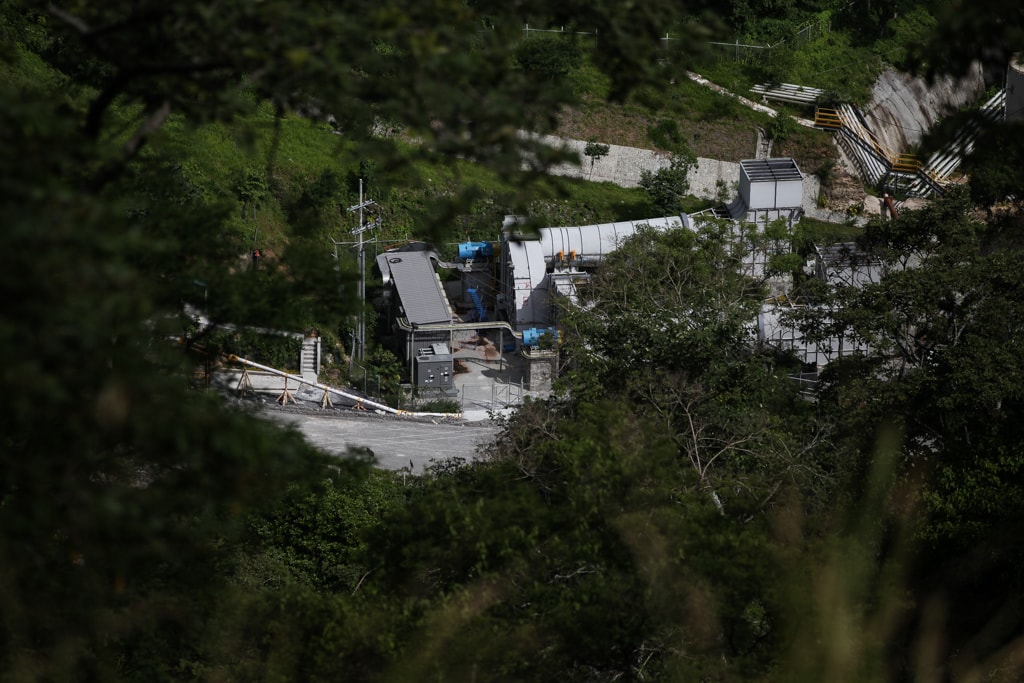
(903, 107)
(844, 191)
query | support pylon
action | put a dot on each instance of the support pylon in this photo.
(285, 395)
(244, 383)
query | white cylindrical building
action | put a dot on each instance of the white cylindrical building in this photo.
(588, 244)
(527, 264)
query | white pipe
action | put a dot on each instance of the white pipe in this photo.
(406, 326)
(353, 397)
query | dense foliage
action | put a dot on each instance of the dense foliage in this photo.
(678, 512)
(945, 328)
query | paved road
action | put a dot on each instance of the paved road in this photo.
(398, 443)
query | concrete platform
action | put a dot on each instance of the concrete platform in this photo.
(400, 444)
(487, 378)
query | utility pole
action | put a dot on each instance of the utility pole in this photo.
(359, 347)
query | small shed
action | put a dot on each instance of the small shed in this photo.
(767, 184)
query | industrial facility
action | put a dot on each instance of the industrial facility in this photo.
(510, 288)
(513, 286)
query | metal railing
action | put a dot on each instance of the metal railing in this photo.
(876, 160)
(928, 177)
(826, 117)
(286, 395)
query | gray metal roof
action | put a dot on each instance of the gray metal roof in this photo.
(418, 287)
(763, 170)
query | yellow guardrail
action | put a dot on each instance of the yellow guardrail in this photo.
(906, 163)
(827, 118)
(833, 119)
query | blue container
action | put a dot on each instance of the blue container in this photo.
(468, 250)
(531, 337)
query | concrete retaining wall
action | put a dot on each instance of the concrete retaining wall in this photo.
(712, 179)
(623, 166)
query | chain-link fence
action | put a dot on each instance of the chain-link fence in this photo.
(734, 51)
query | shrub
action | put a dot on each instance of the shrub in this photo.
(665, 135)
(668, 186)
(548, 58)
(781, 128)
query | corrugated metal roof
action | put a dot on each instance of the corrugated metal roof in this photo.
(766, 170)
(418, 287)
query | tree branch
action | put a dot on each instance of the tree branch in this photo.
(98, 107)
(70, 19)
(132, 146)
(149, 126)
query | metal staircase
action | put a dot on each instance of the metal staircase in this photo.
(764, 145)
(941, 165)
(879, 165)
(873, 157)
(479, 312)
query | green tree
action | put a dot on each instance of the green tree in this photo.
(990, 34)
(251, 188)
(995, 163)
(595, 151)
(316, 536)
(550, 59)
(781, 128)
(665, 322)
(124, 497)
(943, 326)
(954, 44)
(388, 370)
(575, 552)
(669, 185)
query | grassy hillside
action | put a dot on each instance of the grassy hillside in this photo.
(840, 49)
(712, 125)
(296, 161)
(264, 169)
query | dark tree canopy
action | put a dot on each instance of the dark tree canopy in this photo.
(124, 498)
(680, 512)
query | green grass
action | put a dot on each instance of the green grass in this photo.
(20, 68)
(589, 82)
(832, 60)
(712, 125)
(292, 154)
(214, 157)
(218, 152)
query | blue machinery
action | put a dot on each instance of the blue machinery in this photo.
(532, 337)
(468, 251)
(472, 250)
